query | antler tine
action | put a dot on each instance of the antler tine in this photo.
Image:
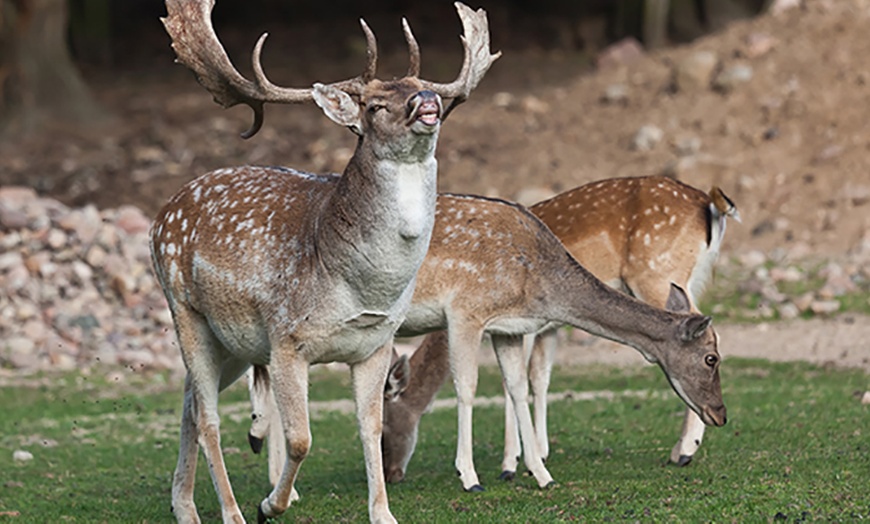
(371, 53)
(413, 50)
(475, 41)
(196, 45)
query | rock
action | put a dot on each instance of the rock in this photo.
(532, 195)
(694, 71)
(824, 307)
(84, 222)
(11, 219)
(759, 44)
(789, 274)
(804, 301)
(20, 352)
(621, 53)
(788, 311)
(16, 196)
(10, 260)
(96, 257)
(132, 220)
(615, 94)
(865, 399)
(752, 259)
(19, 455)
(731, 77)
(533, 104)
(56, 239)
(646, 138)
(778, 7)
(503, 99)
(687, 146)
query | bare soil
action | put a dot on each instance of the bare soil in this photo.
(789, 146)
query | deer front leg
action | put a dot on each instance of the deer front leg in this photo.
(540, 371)
(512, 361)
(512, 447)
(690, 439)
(464, 344)
(368, 379)
(289, 381)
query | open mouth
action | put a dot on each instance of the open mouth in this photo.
(428, 111)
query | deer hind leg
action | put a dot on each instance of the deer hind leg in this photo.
(200, 423)
(540, 371)
(464, 344)
(512, 447)
(653, 289)
(368, 379)
(512, 361)
(540, 360)
(289, 385)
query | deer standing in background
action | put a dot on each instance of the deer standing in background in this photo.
(280, 267)
(493, 267)
(637, 235)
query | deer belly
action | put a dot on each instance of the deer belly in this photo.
(354, 341)
(244, 338)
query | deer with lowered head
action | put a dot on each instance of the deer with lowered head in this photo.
(637, 235)
(493, 267)
(286, 268)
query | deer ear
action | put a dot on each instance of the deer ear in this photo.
(678, 301)
(397, 379)
(338, 106)
(693, 327)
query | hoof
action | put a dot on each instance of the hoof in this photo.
(507, 475)
(685, 460)
(261, 517)
(256, 443)
(550, 485)
(477, 488)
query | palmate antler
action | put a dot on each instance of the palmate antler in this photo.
(475, 40)
(188, 23)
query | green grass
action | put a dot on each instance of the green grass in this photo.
(795, 449)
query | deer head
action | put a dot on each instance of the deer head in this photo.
(356, 103)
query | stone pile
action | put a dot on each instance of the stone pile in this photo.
(76, 287)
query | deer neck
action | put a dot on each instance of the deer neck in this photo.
(377, 223)
(430, 368)
(587, 303)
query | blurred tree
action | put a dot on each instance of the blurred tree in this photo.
(39, 84)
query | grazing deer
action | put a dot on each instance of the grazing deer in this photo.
(493, 267)
(637, 235)
(281, 267)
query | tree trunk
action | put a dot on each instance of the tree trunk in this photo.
(39, 84)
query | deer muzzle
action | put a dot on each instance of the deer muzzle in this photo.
(425, 107)
(714, 416)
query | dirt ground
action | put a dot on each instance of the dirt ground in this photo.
(840, 342)
(789, 145)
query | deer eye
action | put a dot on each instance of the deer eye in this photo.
(711, 360)
(374, 108)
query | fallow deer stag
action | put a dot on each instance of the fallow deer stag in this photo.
(493, 267)
(281, 267)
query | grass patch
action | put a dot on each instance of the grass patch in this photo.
(795, 449)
